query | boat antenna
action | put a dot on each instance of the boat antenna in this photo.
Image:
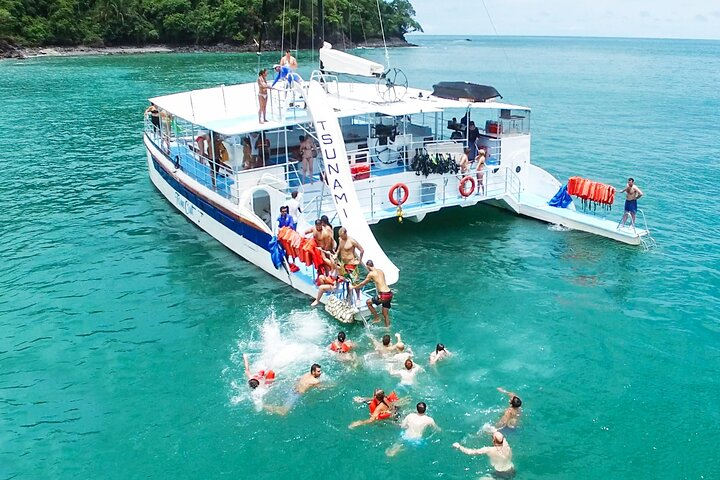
(382, 30)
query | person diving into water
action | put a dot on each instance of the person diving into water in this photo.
(258, 382)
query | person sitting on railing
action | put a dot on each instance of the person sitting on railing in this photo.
(328, 280)
(285, 219)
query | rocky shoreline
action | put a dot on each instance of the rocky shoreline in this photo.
(11, 51)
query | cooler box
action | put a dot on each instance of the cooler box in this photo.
(493, 127)
(427, 192)
(360, 171)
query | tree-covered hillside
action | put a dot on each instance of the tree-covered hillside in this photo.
(196, 22)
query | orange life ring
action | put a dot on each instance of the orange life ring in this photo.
(461, 186)
(393, 197)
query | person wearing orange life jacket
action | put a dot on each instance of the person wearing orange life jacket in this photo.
(264, 377)
(258, 383)
(341, 345)
(381, 408)
(344, 349)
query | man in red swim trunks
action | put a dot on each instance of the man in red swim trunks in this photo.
(384, 295)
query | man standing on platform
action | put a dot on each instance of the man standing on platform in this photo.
(632, 194)
(384, 295)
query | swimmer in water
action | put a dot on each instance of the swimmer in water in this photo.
(511, 417)
(258, 383)
(381, 408)
(500, 455)
(343, 348)
(414, 426)
(407, 374)
(440, 353)
(304, 383)
(385, 347)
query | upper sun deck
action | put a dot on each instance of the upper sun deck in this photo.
(232, 110)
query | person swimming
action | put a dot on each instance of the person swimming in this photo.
(304, 383)
(385, 347)
(511, 417)
(414, 426)
(500, 455)
(258, 383)
(381, 408)
(440, 353)
(407, 375)
(344, 349)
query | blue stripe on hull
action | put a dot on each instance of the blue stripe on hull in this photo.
(230, 221)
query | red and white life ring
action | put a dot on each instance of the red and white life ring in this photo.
(462, 186)
(393, 197)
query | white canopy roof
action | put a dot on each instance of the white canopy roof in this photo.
(232, 110)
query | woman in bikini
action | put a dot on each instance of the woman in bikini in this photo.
(480, 171)
(262, 94)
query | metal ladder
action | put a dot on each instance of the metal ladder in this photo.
(646, 241)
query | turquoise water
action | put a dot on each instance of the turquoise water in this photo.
(122, 325)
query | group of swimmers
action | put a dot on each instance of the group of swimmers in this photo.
(386, 407)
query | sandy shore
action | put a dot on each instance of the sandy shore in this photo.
(9, 51)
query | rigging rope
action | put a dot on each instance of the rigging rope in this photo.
(507, 57)
(297, 39)
(382, 30)
(282, 35)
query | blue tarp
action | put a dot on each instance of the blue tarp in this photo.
(277, 252)
(561, 199)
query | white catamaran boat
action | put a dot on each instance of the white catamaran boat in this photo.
(388, 151)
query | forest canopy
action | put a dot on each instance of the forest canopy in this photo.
(198, 22)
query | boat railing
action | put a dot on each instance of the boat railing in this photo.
(215, 175)
(426, 193)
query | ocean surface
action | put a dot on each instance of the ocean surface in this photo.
(122, 325)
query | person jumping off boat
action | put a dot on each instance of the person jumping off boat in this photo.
(414, 426)
(384, 295)
(511, 417)
(500, 455)
(632, 195)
